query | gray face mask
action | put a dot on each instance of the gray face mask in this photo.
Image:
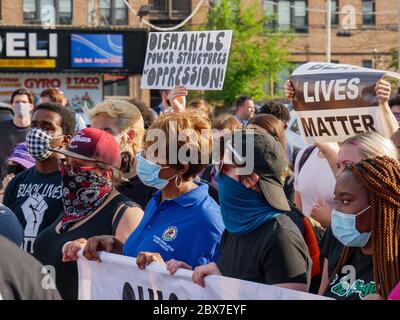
(22, 109)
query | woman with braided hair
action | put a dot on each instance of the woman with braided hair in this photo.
(367, 221)
(354, 149)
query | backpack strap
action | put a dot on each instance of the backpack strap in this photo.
(304, 157)
(125, 205)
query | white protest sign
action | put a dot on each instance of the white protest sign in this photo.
(118, 278)
(196, 60)
(336, 101)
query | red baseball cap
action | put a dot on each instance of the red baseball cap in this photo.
(93, 144)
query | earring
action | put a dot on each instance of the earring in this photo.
(178, 185)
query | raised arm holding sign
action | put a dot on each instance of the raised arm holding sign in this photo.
(196, 60)
(334, 102)
(389, 124)
(177, 98)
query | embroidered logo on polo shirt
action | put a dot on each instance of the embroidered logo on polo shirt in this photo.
(170, 233)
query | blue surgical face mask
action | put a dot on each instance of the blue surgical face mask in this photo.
(148, 172)
(344, 229)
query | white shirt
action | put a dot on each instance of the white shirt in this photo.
(315, 182)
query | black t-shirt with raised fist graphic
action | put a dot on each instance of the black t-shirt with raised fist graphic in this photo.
(35, 198)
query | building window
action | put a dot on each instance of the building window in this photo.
(174, 9)
(113, 12)
(368, 12)
(116, 85)
(290, 14)
(368, 64)
(62, 11)
(334, 12)
(65, 12)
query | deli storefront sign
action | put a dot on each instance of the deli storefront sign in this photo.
(80, 89)
(72, 50)
(28, 50)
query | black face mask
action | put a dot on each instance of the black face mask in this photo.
(14, 169)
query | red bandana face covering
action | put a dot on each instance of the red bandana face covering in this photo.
(82, 194)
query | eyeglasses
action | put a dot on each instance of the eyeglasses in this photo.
(73, 170)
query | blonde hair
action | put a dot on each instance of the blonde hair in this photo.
(226, 121)
(128, 118)
(371, 144)
(202, 105)
(177, 124)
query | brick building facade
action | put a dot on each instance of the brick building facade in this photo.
(370, 41)
(111, 14)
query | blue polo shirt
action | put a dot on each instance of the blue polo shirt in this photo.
(187, 228)
(243, 122)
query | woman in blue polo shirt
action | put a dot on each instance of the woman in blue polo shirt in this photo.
(181, 221)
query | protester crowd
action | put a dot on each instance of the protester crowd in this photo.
(125, 182)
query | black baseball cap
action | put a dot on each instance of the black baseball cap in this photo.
(270, 163)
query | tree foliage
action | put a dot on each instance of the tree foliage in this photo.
(258, 53)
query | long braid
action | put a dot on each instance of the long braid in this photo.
(375, 225)
(346, 255)
(381, 178)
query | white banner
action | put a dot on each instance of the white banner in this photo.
(118, 278)
(80, 89)
(336, 101)
(195, 59)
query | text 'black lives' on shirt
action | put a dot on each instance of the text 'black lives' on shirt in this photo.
(35, 198)
(272, 254)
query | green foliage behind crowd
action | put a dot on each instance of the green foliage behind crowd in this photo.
(257, 56)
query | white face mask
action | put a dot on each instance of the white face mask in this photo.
(22, 109)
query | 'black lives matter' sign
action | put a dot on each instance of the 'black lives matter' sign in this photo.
(336, 101)
(196, 60)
